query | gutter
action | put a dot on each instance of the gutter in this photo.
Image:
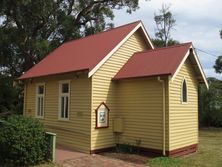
(164, 114)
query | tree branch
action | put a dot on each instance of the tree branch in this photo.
(87, 9)
(71, 3)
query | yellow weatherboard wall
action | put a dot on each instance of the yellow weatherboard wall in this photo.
(140, 104)
(183, 118)
(74, 133)
(104, 90)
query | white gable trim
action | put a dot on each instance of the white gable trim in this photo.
(198, 63)
(181, 64)
(201, 69)
(140, 25)
(147, 36)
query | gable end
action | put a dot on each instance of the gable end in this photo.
(191, 52)
(140, 25)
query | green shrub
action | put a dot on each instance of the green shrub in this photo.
(215, 118)
(22, 141)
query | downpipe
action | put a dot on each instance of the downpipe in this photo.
(164, 114)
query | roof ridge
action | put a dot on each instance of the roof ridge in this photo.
(166, 47)
(110, 29)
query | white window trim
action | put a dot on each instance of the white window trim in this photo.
(36, 101)
(60, 94)
(182, 102)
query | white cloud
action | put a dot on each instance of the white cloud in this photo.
(210, 72)
(197, 21)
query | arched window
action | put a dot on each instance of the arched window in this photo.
(184, 91)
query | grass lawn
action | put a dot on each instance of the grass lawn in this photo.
(209, 153)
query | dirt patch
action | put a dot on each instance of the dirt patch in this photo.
(131, 158)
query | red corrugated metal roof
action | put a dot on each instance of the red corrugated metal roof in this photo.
(82, 54)
(162, 61)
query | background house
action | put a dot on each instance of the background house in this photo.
(151, 93)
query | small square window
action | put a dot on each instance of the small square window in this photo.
(65, 88)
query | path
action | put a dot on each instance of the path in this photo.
(68, 158)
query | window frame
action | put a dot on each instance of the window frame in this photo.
(36, 100)
(63, 95)
(182, 100)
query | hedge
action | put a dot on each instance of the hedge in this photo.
(22, 141)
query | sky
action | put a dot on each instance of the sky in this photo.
(196, 21)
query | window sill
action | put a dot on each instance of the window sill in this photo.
(38, 117)
(64, 119)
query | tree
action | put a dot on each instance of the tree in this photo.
(165, 23)
(31, 29)
(160, 43)
(10, 101)
(210, 103)
(218, 65)
(218, 62)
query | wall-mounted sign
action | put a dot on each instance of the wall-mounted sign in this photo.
(102, 116)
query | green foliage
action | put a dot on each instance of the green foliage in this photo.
(22, 141)
(218, 62)
(165, 23)
(159, 43)
(10, 101)
(215, 118)
(31, 29)
(218, 65)
(164, 162)
(210, 104)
